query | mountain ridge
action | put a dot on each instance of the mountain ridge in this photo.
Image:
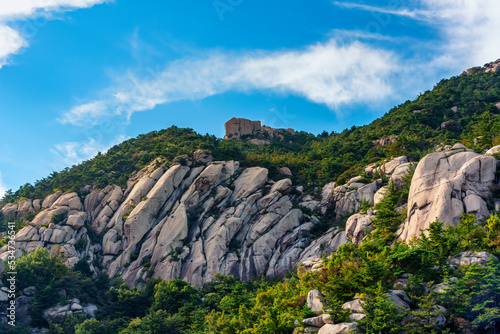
(335, 213)
(417, 125)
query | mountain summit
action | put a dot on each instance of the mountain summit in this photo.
(176, 206)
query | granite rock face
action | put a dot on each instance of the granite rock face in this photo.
(358, 226)
(200, 217)
(237, 127)
(468, 258)
(184, 221)
(445, 185)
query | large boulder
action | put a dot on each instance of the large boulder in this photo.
(494, 149)
(399, 172)
(237, 127)
(355, 317)
(390, 167)
(77, 220)
(440, 185)
(9, 211)
(327, 197)
(249, 181)
(358, 226)
(202, 157)
(400, 303)
(315, 301)
(24, 207)
(468, 258)
(57, 314)
(26, 233)
(380, 194)
(327, 244)
(342, 328)
(49, 200)
(355, 306)
(348, 198)
(318, 321)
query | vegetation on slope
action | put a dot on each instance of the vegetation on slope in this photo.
(230, 306)
(418, 125)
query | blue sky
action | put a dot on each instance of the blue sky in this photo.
(78, 76)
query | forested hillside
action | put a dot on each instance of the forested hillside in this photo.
(393, 227)
(462, 108)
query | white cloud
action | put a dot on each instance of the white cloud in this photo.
(341, 71)
(72, 153)
(3, 187)
(11, 40)
(392, 10)
(468, 29)
(88, 114)
(20, 9)
(328, 73)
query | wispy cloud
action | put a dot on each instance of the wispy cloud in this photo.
(392, 10)
(88, 114)
(351, 68)
(344, 34)
(11, 40)
(328, 73)
(72, 153)
(467, 29)
(470, 29)
(10, 43)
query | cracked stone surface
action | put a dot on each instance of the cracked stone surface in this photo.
(444, 185)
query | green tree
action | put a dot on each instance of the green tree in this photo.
(382, 315)
(156, 322)
(493, 232)
(174, 295)
(472, 235)
(94, 326)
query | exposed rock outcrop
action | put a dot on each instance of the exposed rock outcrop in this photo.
(59, 313)
(237, 127)
(494, 149)
(358, 226)
(468, 258)
(492, 67)
(385, 141)
(444, 185)
(342, 328)
(488, 68)
(348, 198)
(315, 301)
(191, 221)
(240, 127)
(187, 222)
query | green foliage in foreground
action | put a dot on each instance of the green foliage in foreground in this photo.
(314, 160)
(229, 306)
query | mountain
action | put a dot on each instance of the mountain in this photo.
(335, 211)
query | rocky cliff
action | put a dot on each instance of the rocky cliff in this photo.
(200, 217)
(181, 221)
(448, 183)
(239, 127)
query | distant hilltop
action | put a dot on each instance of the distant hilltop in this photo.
(494, 66)
(239, 127)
